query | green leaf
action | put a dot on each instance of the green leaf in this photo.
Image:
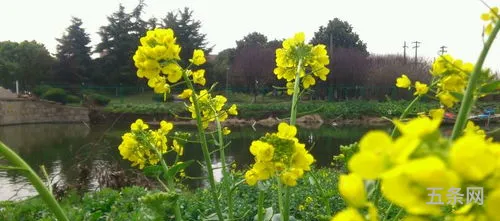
(153, 171)
(490, 87)
(269, 213)
(311, 181)
(178, 167)
(263, 185)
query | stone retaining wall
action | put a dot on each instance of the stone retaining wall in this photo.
(22, 111)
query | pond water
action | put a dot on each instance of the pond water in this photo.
(77, 155)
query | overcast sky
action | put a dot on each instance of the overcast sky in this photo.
(383, 24)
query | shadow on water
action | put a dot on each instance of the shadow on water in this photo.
(85, 159)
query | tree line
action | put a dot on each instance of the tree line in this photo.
(249, 65)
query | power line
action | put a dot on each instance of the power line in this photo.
(416, 49)
(404, 51)
(443, 50)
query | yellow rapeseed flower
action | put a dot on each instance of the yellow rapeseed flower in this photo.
(165, 127)
(418, 127)
(286, 131)
(314, 59)
(420, 88)
(491, 17)
(352, 189)
(142, 146)
(139, 125)
(211, 107)
(407, 185)
(158, 54)
(251, 177)
(262, 151)
(199, 77)
(471, 128)
(349, 214)
(378, 153)
(447, 99)
(416, 218)
(179, 149)
(233, 110)
(226, 131)
(198, 57)
(280, 155)
(186, 93)
(308, 81)
(492, 205)
(472, 157)
(403, 82)
(290, 177)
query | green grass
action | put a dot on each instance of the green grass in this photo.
(124, 204)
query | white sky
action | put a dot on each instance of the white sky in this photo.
(383, 24)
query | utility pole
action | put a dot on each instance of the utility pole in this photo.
(443, 50)
(416, 48)
(404, 51)
(330, 48)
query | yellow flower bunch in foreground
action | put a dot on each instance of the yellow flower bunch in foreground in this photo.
(144, 147)
(313, 61)
(157, 60)
(420, 165)
(279, 154)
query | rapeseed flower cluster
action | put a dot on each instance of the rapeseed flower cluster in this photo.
(211, 107)
(279, 155)
(491, 17)
(311, 59)
(157, 59)
(450, 76)
(419, 159)
(143, 146)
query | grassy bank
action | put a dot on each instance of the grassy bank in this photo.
(125, 204)
(276, 108)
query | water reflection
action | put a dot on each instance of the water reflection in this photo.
(86, 159)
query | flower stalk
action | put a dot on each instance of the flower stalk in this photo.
(225, 175)
(204, 147)
(35, 180)
(296, 91)
(468, 99)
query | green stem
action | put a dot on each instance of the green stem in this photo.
(405, 112)
(204, 147)
(296, 91)
(286, 210)
(260, 209)
(171, 187)
(387, 212)
(398, 214)
(467, 100)
(35, 180)
(280, 200)
(225, 174)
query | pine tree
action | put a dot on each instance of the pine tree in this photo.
(187, 32)
(119, 41)
(73, 54)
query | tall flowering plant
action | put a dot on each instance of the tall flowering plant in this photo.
(280, 156)
(157, 60)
